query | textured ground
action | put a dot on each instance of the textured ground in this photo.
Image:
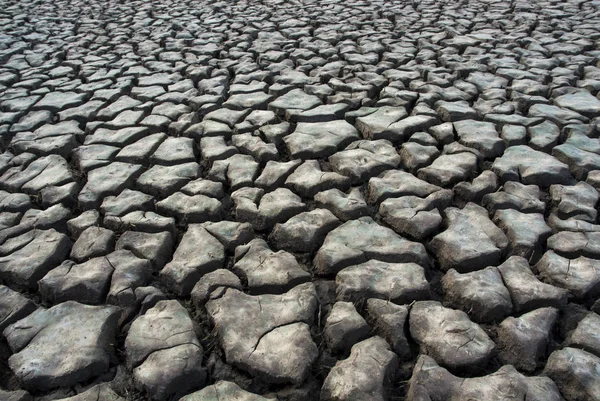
(299, 200)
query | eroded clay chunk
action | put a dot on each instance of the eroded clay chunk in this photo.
(13, 307)
(390, 321)
(363, 375)
(587, 334)
(223, 390)
(305, 231)
(344, 327)
(471, 242)
(432, 382)
(266, 271)
(164, 353)
(28, 257)
(521, 163)
(481, 294)
(63, 345)
(198, 253)
(364, 159)
(526, 291)
(357, 241)
(267, 335)
(576, 373)
(449, 336)
(581, 276)
(101, 391)
(522, 341)
(396, 282)
(107, 180)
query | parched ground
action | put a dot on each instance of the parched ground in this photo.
(299, 200)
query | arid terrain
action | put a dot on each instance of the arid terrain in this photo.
(299, 200)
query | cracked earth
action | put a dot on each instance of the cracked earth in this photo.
(299, 200)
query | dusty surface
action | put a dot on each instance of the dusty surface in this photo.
(299, 200)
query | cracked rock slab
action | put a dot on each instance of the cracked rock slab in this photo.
(481, 136)
(28, 257)
(345, 206)
(266, 271)
(149, 222)
(155, 247)
(140, 151)
(87, 282)
(63, 345)
(526, 290)
(264, 211)
(481, 294)
(576, 373)
(93, 241)
(375, 125)
(267, 335)
(400, 283)
(580, 276)
(190, 209)
(403, 129)
(127, 201)
(390, 322)
(211, 281)
(51, 170)
(471, 242)
(54, 217)
(364, 375)
(130, 273)
(364, 159)
(198, 253)
(432, 382)
(544, 136)
(230, 233)
(59, 139)
(575, 244)
(319, 140)
(101, 391)
(90, 157)
(449, 336)
(581, 161)
(309, 179)
(582, 102)
(107, 180)
(449, 169)
(113, 277)
(304, 232)
(415, 155)
(275, 173)
(587, 334)
(483, 184)
(522, 341)
(162, 181)
(526, 232)
(238, 171)
(223, 390)
(13, 307)
(577, 202)
(413, 216)
(295, 99)
(255, 147)
(17, 395)
(164, 353)
(344, 327)
(395, 184)
(522, 163)
(514, 195)
(357, 241)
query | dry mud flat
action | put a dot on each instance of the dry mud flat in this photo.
(299, 200)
